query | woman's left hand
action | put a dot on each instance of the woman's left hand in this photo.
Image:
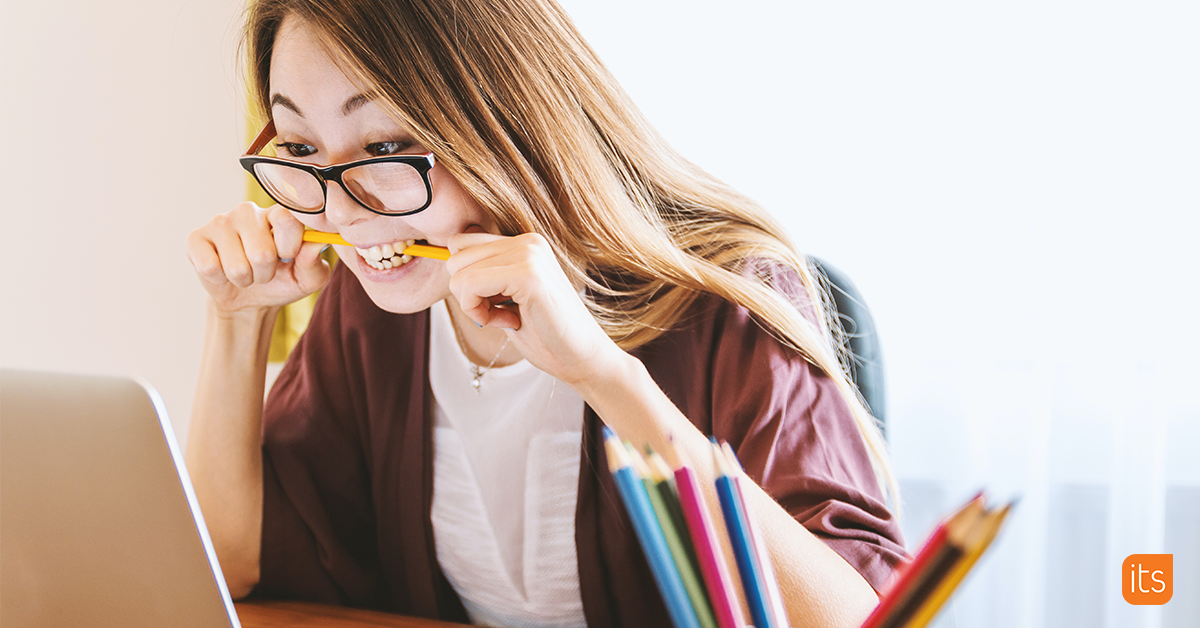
(549, 322)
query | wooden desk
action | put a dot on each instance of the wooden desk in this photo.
(305, 615)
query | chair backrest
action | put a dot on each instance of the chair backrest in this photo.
(866, 360)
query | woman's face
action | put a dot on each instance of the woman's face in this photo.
(322, 118)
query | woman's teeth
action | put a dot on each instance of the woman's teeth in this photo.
(388, 256)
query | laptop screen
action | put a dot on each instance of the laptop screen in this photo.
(98, 522)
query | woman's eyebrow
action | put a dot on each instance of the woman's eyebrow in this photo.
(284, 101)
(354, 103)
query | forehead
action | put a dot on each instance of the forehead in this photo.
(304, 71)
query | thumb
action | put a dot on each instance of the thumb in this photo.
(459, 242)
(312, 272)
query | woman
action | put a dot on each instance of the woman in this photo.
(432, 446)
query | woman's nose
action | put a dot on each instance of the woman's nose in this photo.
(340, 208)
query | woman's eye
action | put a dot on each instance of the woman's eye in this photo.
(293, 149)
(381, 149)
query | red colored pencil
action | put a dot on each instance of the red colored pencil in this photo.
(904, 585)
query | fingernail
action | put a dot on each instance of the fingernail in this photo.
(323, 249)
(477, 324)
(285, 261)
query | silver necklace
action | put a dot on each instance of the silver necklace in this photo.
(476, 371)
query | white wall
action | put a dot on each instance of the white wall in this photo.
(1013, 187)
(119, 133)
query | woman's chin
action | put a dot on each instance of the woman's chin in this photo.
(405, 289)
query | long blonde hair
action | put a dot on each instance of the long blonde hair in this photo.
(515, 104)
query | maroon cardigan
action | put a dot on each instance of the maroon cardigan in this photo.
(348, 460)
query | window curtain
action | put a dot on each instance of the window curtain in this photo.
(1103, 458)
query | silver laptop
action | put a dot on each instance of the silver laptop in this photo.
(99, 525)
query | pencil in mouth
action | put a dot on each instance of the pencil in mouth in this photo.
(411, 247)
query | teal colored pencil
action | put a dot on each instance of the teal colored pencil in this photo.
(649, 534)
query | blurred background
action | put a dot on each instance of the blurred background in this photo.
(1014, 188)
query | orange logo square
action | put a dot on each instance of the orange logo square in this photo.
(1147, 578)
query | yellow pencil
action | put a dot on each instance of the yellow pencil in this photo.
(416, 250)
(985, 530)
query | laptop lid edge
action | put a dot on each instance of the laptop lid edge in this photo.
(186, 481)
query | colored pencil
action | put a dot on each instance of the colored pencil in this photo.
(979, 541)
(743, 549)
(678, 538)
(713, 567)
(649, 534)
(902, 596)
(664, 483)
(678, 552)
(416, 250)
(770, 582)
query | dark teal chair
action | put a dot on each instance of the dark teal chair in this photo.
(866, 360)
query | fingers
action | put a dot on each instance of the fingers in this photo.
(467, 249)
(287, 231)
(504, 317)
(258, 245)
(203, 256)
(311, 272)
(496, 311)
(240, 247)
(487, 271)
(492, 292)
(235, 268)
(473, 236)
(238, 257)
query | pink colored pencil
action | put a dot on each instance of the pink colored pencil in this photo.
(712, 562)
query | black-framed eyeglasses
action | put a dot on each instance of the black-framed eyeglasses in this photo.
(393, 185)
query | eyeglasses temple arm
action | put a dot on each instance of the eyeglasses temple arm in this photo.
(264, 136)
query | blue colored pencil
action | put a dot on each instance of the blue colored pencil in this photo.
(743, 550)
(649, 534)
(771, 584)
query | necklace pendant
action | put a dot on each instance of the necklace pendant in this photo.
(476, 372)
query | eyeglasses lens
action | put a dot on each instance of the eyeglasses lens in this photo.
(292, 187)
(387, 187)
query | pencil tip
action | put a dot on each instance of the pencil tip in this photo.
(719, 463)
(734, 463)
(615, 454)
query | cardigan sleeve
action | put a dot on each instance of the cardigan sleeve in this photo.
(318, 532)
(796, 436)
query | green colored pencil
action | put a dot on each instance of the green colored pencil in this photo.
(691, 579)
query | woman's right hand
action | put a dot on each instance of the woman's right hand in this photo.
(240, 258)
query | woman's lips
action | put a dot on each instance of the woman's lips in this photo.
(382, 273)
(386, 256)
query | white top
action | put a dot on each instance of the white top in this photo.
(506, 478)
